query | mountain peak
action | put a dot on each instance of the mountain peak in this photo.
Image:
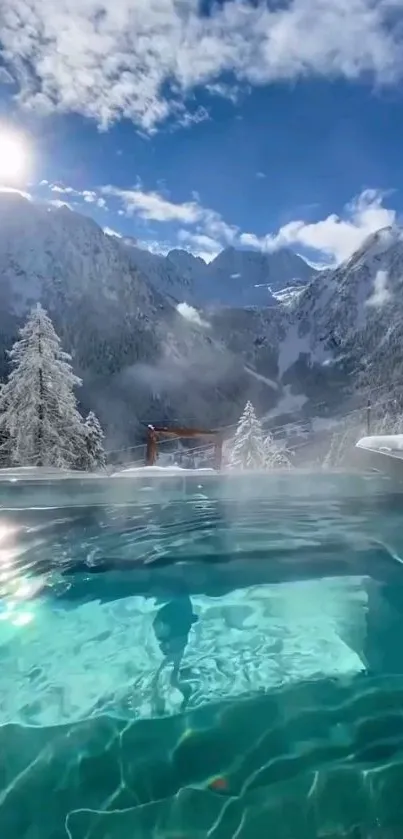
(181, 255)
(375, 245)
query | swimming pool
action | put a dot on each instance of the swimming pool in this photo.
(201, 656)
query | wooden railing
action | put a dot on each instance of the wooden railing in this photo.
(158, 432)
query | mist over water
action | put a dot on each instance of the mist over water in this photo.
(201, 655)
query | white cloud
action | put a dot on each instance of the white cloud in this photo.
(260, 175)
(226, 91)
(205, 233)
(161, 248)
(110, 232)
(211, 232)
(335, 237)
(191, 314)
(111, 60)
(56, 202)
(67, 190)
(153, 206)
(200, 244)
(89, 196)
(5, 76)
(189, 118)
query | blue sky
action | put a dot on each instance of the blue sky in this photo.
(253, 124)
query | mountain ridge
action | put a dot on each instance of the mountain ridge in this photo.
(233, 278)
(144, 358)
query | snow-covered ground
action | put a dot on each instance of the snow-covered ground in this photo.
(158, 471)
(288, 295)
(44, 473)
(39, 473)
(388, 443)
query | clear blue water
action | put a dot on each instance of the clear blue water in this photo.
(201, 657)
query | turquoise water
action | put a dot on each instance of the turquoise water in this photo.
(201, 657)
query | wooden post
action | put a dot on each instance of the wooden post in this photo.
(218, 453)
(151, 449)
(155, 432)
(369, 417)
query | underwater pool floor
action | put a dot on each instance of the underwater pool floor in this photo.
(202, 659)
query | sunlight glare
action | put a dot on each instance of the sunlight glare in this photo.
(23, 619)
(13, 156)
(5, 532)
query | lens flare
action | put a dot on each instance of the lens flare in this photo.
(13, 157)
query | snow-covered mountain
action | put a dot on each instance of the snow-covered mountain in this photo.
(344, 307)
(193, 269)
(249, 277)
(161, 272)
(356, 314)
(233, 278)
(143, 359)
(140, 358)
(342, 335)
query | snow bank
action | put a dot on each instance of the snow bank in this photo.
(43, 473)
(392, 443)
(142, 471)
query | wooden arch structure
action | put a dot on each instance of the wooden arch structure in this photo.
(158, 432)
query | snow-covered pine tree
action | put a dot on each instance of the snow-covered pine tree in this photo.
(343, 442)
(5, 459)
(248, 449)
(38, 407)
(94, 455)
(276, 455)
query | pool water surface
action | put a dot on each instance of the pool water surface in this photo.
(201, 656)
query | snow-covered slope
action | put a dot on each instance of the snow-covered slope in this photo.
(193, 270)
(344, 332)
(54, 253)
(115, 307)
(358, 308)
(245, 278)
(340, 334)
(140, 359)
(162, 273)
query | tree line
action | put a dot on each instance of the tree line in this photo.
(40, 423)
(251, 448)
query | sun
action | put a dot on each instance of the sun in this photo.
(13, 156)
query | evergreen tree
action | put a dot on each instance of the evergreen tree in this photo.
(248, 449)
(94, 454)
(343, 443)
(5, 453)
(276, 455)
(38, 408)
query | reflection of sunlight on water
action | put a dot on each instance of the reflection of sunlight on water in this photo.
(7, 553)
(14, 588)
(16, 614)
(16, 617)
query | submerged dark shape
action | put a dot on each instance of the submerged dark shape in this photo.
(172, 626)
